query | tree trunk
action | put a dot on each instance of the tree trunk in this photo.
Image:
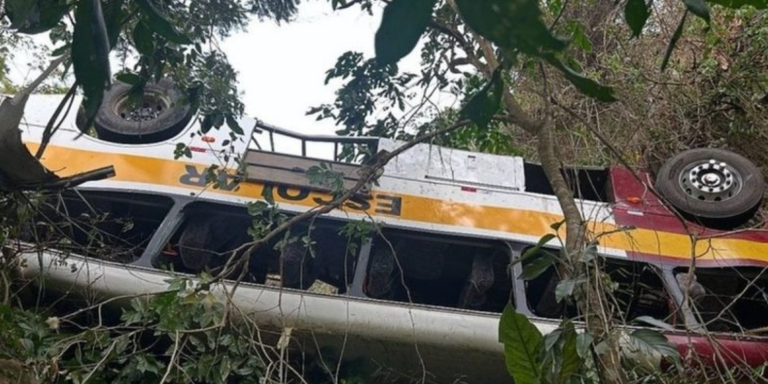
(17, 165)
(588, 295)
(588, 298)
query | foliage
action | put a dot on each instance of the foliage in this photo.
(370, 86)
(565, 355)
(186, 334)
(402, 24)
(484, 104)
(324, 175)
(538, 55)
(444, 55)
(168, 37)
(192, 342)
(522, 346)
(711, 94)
(561, 356)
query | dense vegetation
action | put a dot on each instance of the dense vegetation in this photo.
(587, 82)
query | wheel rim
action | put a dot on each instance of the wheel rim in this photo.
(150, 108)
(710, 180)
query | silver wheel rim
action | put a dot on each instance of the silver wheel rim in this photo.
(710, 180)
(152, 105)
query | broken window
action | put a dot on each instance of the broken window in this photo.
(587, 183)
(728, 299)
(211, 234)
(638, 290)
(207, 237)
(112, 226)
(634, 290)
(540, 293)
(467, 274)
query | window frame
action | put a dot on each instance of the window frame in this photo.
(693, 321)
(179, 213)
(125, 197)
(664, 275)
(364, 259)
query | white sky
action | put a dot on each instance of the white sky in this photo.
(281, 68)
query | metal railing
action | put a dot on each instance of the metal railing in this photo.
(345, 149)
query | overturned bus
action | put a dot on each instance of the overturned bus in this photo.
(424, 290)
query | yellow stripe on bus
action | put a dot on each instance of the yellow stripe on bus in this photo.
(152, 171)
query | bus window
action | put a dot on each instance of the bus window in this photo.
(106, 225)
(540, 294)
(634, 289)
(727, 299)
(211, 234)
(638, 290)
(433, 270)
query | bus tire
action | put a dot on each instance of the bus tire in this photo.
(716, 187)
(163, 114)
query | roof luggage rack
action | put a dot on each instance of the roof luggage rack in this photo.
(278, 156)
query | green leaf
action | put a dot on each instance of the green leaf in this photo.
(536, 249)
(648, 342)
(554, 6)
(61, 50)
(551, 339)
(129, 78)
(484, 104)
(636, 14)
(735, 4)
(113, 17)
(181, 150)
(583, 342)
(565, 288)
(698, 8)
(234, 125)
(142, 39)
(136, 93)
(545, 239)
(590, 252)
(522, 342)
(207, 123)
(257, 207)
(21, 12)
(35, 16)
(579, 37)
(570, 359)
(673, 41)
(511, 24)
(538, 266)
(28, 345)
(561, 360)
(160, 24)
(147, 363)
(584, 84)
(268, 194)
(90, 58)
(402, 24)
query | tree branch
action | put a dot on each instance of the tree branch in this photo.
(367, 174)
(49, 128)
(349, 5)
(26, 91)
(466, 46)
